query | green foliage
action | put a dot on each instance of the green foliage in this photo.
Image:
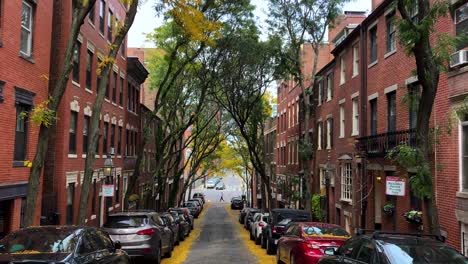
(410, 158)
(305, 150)
(316, 206)
(41, 114)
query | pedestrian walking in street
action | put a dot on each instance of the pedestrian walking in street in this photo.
(221, 199)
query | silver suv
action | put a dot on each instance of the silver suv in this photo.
(141, 234)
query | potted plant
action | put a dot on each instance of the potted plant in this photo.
(413, 216)
(389, 209)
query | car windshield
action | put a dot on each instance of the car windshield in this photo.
(124, 221)
(420, 253)
(35, 241)
(189, 205)
(295, 217)
(324, 231)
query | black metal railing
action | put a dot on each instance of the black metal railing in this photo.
(379, 145)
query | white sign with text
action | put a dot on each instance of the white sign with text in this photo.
(395, 186)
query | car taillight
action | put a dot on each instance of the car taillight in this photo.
(277, 230)
(146, 232)
(261, 224)
(310, 245)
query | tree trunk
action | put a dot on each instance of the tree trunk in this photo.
(79, 12)
(97, 107)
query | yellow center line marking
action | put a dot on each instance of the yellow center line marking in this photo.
(180, 253)
(244, 234)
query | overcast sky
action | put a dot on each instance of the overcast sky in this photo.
(146, 19)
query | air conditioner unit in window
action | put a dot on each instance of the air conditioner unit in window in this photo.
(459, 58)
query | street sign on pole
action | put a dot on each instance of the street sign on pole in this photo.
(108, 190)
(395, 186)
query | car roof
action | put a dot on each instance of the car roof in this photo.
(134, 213)
(66, 228)
(287, 210)
(317, 224)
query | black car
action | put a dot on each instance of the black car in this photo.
(278, 220)
(193, 208)
(60, 244)
(249, 217)
(184, 226)
(173, 225)
(237, 203)
(242, 214)
(199, 195)
(197, 201)
(393, 248)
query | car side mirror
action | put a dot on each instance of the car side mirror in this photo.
(329, 251)
(117, 245)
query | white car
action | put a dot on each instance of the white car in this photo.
(211, 183)
(260, 220)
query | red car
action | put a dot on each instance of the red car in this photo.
(304, 242)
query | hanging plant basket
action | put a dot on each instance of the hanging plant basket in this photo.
(413, 217)
(389, 209)
(133, 198)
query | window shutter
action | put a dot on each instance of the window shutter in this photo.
(331, 132)
(324, 89)
(331, 84)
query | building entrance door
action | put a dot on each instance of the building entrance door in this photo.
(377, 201)
(5, 208)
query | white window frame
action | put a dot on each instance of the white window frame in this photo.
(329, 128)
(329, 86)
(297, 151)
(355, 60)
(29, 30)
(342, 121)
(465, 5)
(346, 182)
(297, 113)
(463, 186)
(355, 116)
(319, 136)
(342, 70)
(320, 93)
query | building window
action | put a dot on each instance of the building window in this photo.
(346, 182)
(121, 91)
(391, 112)
(461, 25)
(114, 88)
(104, 138)
(93, 202)
(319, 135)
(109, 79)
(102, 11)
(413, 92)
(329, 86)
(355, 116)
(112, 139)
(342, 70)
(373, 44)
(373, 117)
(98, 77)
(97, 141)
(464, 147)
(89, 69)
(391, 32)
(119, 140)
(342, 121)
(414, 11)
(355, 60)
(21, 133)
(85, 133)
(2, 85)
(109, 25)
(122, 48)
(76, 62)
(117, 193)
(91, 14)
(70, 202)
(26, 28)
(329, 133)
(320, 91)
(130, 97)
(127, 143)
(72, 132)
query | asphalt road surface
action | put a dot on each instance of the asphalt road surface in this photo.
(219, 242)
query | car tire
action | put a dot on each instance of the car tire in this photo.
(269, 247)
(278, 259)
(157, 258)
(291, 259)
(251, 236)
(169, 252)
(257, 239)
(262, 241)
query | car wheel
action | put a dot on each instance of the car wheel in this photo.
(251, 236)
(262, 241)
(278, 257)
(291, 259)
(257, 239)
(169, 252)
(269, 247)
(157, 258)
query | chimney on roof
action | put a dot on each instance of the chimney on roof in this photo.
(376, 3)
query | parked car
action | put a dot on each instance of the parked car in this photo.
(278, 220)
(254, 217)
(393, 248)
(184, 225)
(237, 203)
(199, 200)
(193, 207)
(242, 214)
(61, 244)
(305, 242)
(260, 220)
(211, 183)
(249, 217)
(187, 215)
(199, 195)
(142, 234)
(173, 225)
(198, 204)
(220, 186)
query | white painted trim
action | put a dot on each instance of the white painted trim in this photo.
(83, 156)
(329, 116)
(90, 46)
(110, 209)
(411, 80)
(71, 177)
(122, 74)
(88, 90)
(97, 156)
(372, 64)
(342, 101)
(389, 10)
(354, 95)
(373, 96)
(80, 37)
(390, 53)
(391, 89)
(373, 24)
(75, 105)
(72, 156)
(87, 111)
(93, 217)
(319, 120)
(76, 84)
(117, 205)
(115, 68)
(460, 157)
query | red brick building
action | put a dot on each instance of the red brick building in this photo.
(119, 123)
(24, 67)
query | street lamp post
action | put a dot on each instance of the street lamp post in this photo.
(108, 171)
(326, 180)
